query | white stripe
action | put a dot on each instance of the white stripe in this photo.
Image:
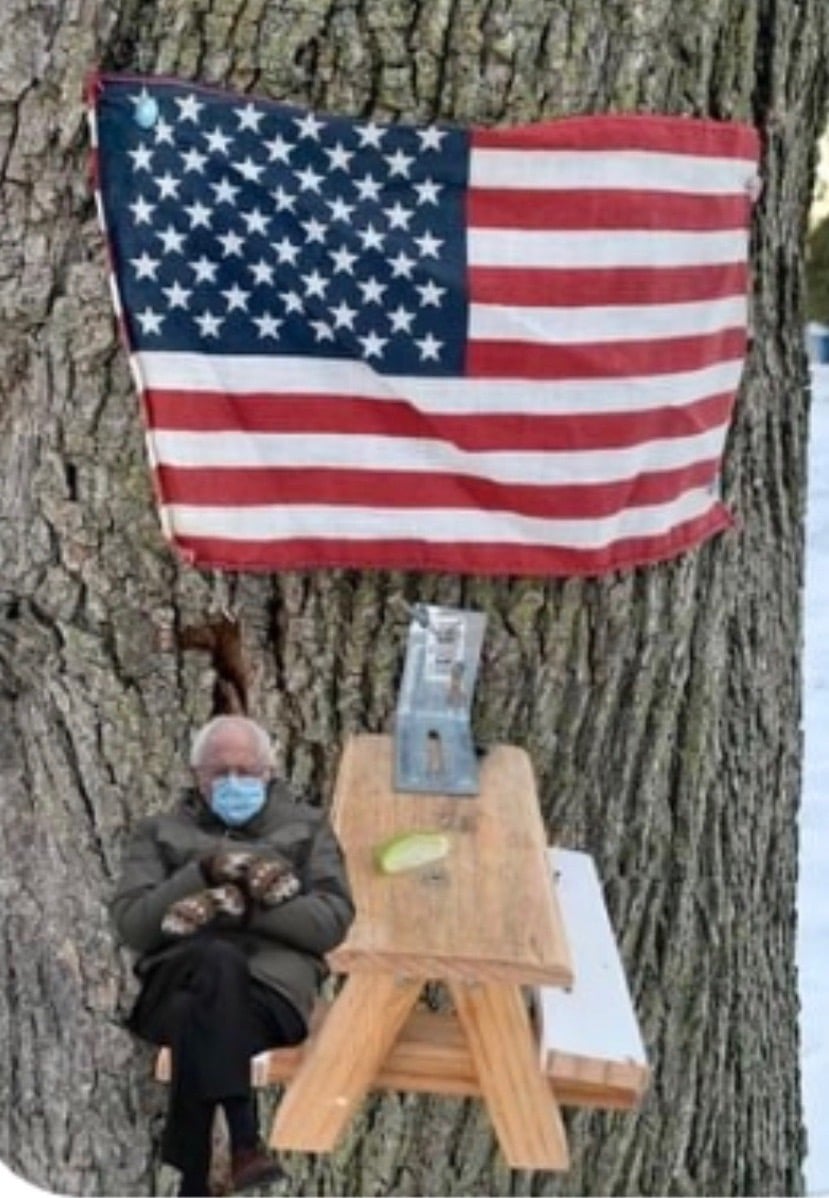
(590, 250)
(603, 170)
(563, 326)
(448, 526)
(240, 375)
(92, 118)
(309, 451)
(116, 295)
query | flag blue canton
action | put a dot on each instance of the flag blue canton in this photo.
(257, 228)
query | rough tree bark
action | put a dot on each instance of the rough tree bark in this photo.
(661, 707)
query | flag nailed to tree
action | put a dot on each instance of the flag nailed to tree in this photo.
(500, 351)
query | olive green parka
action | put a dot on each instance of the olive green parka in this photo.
(285, 945)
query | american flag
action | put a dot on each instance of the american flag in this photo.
(498, 351)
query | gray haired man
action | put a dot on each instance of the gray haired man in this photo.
(231, 899)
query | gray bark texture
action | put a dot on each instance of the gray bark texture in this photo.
(661, 707)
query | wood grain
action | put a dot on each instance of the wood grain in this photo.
(348, 1050)
(487, 911)
(521, 1105)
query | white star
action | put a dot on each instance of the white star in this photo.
(371, 135)
(343, 259)
(255, 221)
(286, 251)
(429, 347)
(309, 126)
(204, 270)
(399, 163)
(262, 271)
(167, 186)
(194, 160)
(177, 296)
(293, 302)
(236, 298)
(200, 216)
(141, 157)
(431, 137)
(371, 238)
(249, 118)
(284, 200)
(209, 324)
(401, 266)
(217, 142)
(150, 321)
(163, 132)
(427, 191)
(145, 266)
(279, 150)
(142, 210)
(372, 290)
(172, 240)
(268, 325)
(429, 245)
(339, 209)
(398, 216)
(373, 345)
(249, 170)
(368, 187)
(315, 284)
(309, 180)
(314, 230)
(401, 319)
(322, 330)
(189, 108)
(430, 294)
(343, 316)
(231, 243)
(339, 157)
(224, 191)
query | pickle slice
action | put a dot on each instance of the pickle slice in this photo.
(408, 850)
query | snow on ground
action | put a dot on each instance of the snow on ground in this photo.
(813, 897)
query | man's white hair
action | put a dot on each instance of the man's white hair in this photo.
(205, 734)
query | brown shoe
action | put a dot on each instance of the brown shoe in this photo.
(251, 1167)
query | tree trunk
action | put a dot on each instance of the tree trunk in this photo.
(661, 707)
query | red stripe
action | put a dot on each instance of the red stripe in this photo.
(408, 490)
(604, 288)
(623, 359)
(190, 411)
(502, 208)
(659, 134)
(457, 558)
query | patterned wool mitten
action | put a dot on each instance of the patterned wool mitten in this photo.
(229, 865)
(271, 882)
(187, 915)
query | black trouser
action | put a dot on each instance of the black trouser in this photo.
(202, 1001)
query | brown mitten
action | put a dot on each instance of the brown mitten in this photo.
(271, 882)
(229, 865)
(188, 915)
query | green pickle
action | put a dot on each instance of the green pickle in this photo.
(408, 850)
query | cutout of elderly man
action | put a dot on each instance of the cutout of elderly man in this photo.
(231, 899)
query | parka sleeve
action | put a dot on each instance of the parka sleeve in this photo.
(146, 888)
(317, 919)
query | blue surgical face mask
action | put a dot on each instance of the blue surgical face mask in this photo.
(236, 799)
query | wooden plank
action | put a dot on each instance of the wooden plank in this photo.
(589, 1032)
(351, 1045)
(431, 1056)
(467, 917)
(522, 1108)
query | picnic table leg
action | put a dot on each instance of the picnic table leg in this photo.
(346, 1055)
(521, 1105)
